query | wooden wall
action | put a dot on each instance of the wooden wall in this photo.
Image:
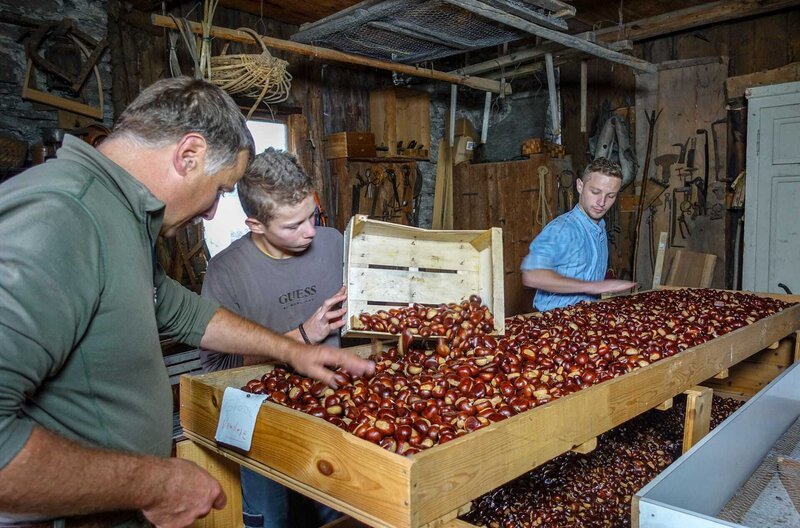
(748, 46)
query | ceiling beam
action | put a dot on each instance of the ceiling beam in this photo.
(646, 28)
(565, 56)
(487, 11)
(486, 85)
(533, 54)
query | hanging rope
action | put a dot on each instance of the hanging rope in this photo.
(542, 214)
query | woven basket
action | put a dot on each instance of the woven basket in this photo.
(258, 76)
(12, 152)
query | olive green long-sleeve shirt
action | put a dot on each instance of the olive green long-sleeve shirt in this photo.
(79, 326)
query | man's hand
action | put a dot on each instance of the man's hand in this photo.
(611, 286)
(186, 493)
(314, 362)
(327, 318)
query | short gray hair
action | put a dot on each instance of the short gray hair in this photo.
(168, 109)
(274, 179)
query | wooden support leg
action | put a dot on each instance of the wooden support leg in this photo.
(227, 473)
(722, 374)
(586, 447)
(667, 405)
(797, 346)
(450, 519)
(698, 415)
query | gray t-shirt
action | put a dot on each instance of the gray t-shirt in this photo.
(277, 293)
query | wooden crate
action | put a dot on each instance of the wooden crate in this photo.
(400, 114)
(389, 265)
(385, 489)
(350, 145)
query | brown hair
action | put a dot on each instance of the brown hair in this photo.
(603, 166)
(273, 179)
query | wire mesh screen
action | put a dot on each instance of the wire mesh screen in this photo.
(771, 496)
(414, 31)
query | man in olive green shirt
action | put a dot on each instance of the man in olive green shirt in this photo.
(85, 402)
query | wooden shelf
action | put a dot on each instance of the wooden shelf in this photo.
(388, 159)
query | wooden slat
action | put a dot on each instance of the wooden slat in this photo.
(697, 421)
(402, 287)
(485, 85)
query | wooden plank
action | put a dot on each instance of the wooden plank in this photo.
(747, 377)
(691, 269)
(227, 473)
(485, 85)
(498, 15)
(697, 421)
(62, 103)
(659, 267)
(796, 347)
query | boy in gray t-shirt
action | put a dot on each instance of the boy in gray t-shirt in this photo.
(286, 274)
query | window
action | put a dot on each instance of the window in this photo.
(228, 224)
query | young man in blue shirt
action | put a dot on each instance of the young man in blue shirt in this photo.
(567, 262)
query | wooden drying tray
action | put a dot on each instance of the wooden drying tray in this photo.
(382, 489)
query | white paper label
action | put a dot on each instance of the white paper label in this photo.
(237, 417)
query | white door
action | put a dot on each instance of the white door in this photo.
(772, 199)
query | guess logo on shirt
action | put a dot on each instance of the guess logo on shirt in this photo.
(298, 296)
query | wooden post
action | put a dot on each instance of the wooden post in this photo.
(584, 89)
(698, 415)
(797, 346)
(329, 54)
(227, 473)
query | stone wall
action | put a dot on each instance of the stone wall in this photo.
(28, 120)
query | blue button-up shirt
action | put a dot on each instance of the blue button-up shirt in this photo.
(572, 245)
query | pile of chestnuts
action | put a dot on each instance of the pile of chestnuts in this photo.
(430, 392)
(593, 490)
(443, 320)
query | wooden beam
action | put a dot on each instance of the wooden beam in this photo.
(526, 14)
(564, 57)
(498, 15)
(647, 28)
(736, 86)
(486, 85)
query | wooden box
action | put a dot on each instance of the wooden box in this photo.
(389, 265)
(350, 145)
(400, 114)
(382, 489)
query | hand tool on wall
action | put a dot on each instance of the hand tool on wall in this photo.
(701, 207)
(716, 147)
(704, 204)
(678, 224)
(376, 182)
(690, 152)
(665, 163)
(652, 117)
(682, 155)
(355, 204)
(393, 180)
